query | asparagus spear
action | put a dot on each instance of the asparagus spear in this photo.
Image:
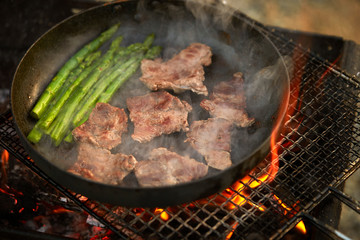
(62, 129)
(78, 94)
(50, 116)
(76, 72)
(63, 73)
(126, 70)
(78, 75)
(36, 133)
(102, 63)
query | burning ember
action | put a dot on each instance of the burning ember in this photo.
(29, 204)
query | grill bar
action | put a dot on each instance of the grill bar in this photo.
(318, 151)
(325, 228)
(344, 198)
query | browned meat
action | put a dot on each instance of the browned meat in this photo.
(228, 101)
(183, 72)
(100, 165)
(157, 113)
(212, 139)
(168, 168)
(104, 127)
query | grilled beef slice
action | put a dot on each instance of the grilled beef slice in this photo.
(101, 165)
(168, 168)
(183, 72)
(157, 113)
(212, 139)
(228, 101)
(104, 127)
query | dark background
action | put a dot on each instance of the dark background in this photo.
(22, 22)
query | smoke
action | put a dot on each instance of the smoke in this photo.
(211, 11)
(236, 47)
(266, 87)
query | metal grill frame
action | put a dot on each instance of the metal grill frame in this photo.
(329, 104)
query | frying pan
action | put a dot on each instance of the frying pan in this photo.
(237, 46)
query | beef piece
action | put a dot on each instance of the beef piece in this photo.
(183, 72)
(157, 113)
(212, 139)
(101, 165)
(104, 127)
(168, 168)
(228, 101)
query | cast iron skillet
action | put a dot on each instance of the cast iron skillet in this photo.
(237, 47)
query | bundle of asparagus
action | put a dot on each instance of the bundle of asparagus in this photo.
(86, 79)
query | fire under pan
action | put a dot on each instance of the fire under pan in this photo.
(318, 150)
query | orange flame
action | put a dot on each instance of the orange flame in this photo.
(60, 210)
(301, 227)
(319, 83)
(157, 211)
(294, 104)
(4, 188)
(232, 231)
(268, 176)
(163, 215)
(4, 163)
(83, 198)
(5, 156)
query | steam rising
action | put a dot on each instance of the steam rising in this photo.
(221, 14)
(236, 47)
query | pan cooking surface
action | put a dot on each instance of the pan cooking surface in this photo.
(237, 47)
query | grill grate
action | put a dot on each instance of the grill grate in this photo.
(318, 150)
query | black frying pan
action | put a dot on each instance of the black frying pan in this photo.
(237, 46)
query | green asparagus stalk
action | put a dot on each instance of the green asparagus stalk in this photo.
(92, 57)
(72, 82)
(50, 116)
(81, 90)
(36, 133)
(61, 130)
(64, 72)
(126, 70)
